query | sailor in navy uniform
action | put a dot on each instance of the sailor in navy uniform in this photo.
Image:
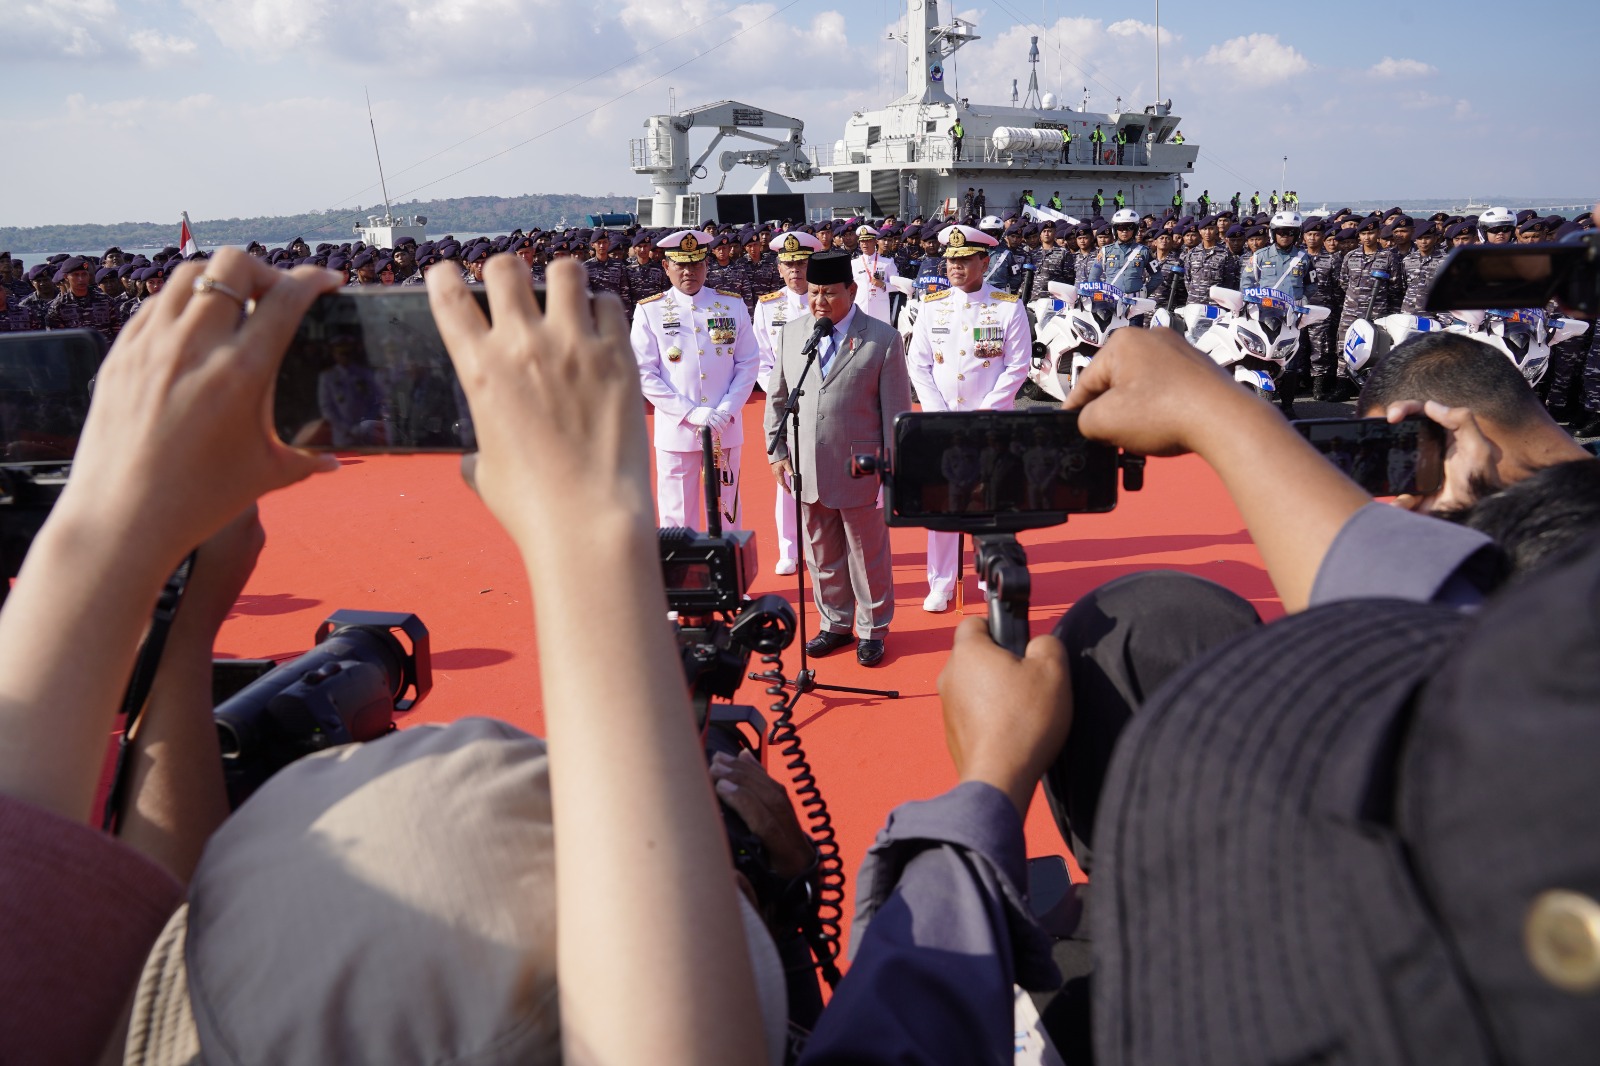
(773, 310)
(697, 361)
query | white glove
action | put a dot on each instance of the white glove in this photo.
(720, 420)
(700, 416)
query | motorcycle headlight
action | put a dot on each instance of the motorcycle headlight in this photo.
(1287, 344)
(1084, 332)
(1252, 344)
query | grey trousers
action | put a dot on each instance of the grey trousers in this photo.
(852, 572)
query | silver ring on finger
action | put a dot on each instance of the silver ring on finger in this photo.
(205, 283)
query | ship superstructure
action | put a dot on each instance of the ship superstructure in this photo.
(901, 157)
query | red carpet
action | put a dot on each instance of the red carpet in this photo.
(402, 533)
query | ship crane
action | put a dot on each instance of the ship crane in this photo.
(663, 153)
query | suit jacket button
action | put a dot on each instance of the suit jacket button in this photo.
(704, 400)
(961, 377)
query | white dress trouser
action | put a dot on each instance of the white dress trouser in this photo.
(943, 549)
(679, 501)
(783, 516)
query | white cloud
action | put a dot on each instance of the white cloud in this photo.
(1401, 68)
(1257, 59)
(1135, 28)
(157, 49)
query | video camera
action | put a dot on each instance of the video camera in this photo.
(707, 577)
(1493, 276)
(345, 689)
(45, 382)
(993, 474)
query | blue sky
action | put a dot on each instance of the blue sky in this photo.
(135, 110)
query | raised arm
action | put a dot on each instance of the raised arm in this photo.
(648, 926)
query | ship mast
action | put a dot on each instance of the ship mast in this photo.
(388, 216)
(928, 45)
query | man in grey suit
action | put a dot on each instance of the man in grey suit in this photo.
(848, 404)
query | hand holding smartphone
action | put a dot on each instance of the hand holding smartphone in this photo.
(1404, 458)
(367, 372)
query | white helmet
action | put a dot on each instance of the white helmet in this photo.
(1496, 216)
(991, 222)
(1286, 220)
(1126, 217)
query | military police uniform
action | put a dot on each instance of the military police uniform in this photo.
(969, 351)
(697, 362)
(1123, 265)
(1274, 268)
(773, 311)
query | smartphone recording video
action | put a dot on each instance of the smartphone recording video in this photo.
(45, 383)
(367, 372)
(983, 467)
(1402, 459)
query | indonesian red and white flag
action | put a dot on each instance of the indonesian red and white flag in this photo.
(186, 243)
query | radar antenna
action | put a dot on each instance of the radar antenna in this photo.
(1032, 99)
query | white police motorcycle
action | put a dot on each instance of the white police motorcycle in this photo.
(1257, 334)
(1523, 336)
(1071, 325)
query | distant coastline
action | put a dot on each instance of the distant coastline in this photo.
(502, 214)
(471, 214)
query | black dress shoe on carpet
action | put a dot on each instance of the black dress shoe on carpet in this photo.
(869, 652)
(827, 643)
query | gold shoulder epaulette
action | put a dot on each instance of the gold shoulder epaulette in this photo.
(773, 295)
(651, 299)
(731, 295)
(941, 294)
(1005, 297)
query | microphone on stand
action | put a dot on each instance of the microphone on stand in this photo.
(824, 328)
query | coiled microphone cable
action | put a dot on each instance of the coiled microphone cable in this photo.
(822, 924)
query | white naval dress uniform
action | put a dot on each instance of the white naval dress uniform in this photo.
(773, 310)
(872, 274)
(694, 351)
(969, 351)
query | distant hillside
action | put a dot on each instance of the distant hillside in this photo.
(469, 214)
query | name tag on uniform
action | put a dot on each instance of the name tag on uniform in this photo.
(939, 329)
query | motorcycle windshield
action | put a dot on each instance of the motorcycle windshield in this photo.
(1104, 311)
(1518, 336)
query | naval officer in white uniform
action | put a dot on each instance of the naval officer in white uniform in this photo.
(773, 310)
(872, 272)
(969, 352)
(697, 365)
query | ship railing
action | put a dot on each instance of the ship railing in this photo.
(939, 150)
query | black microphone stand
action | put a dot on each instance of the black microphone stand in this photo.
(806, 679)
